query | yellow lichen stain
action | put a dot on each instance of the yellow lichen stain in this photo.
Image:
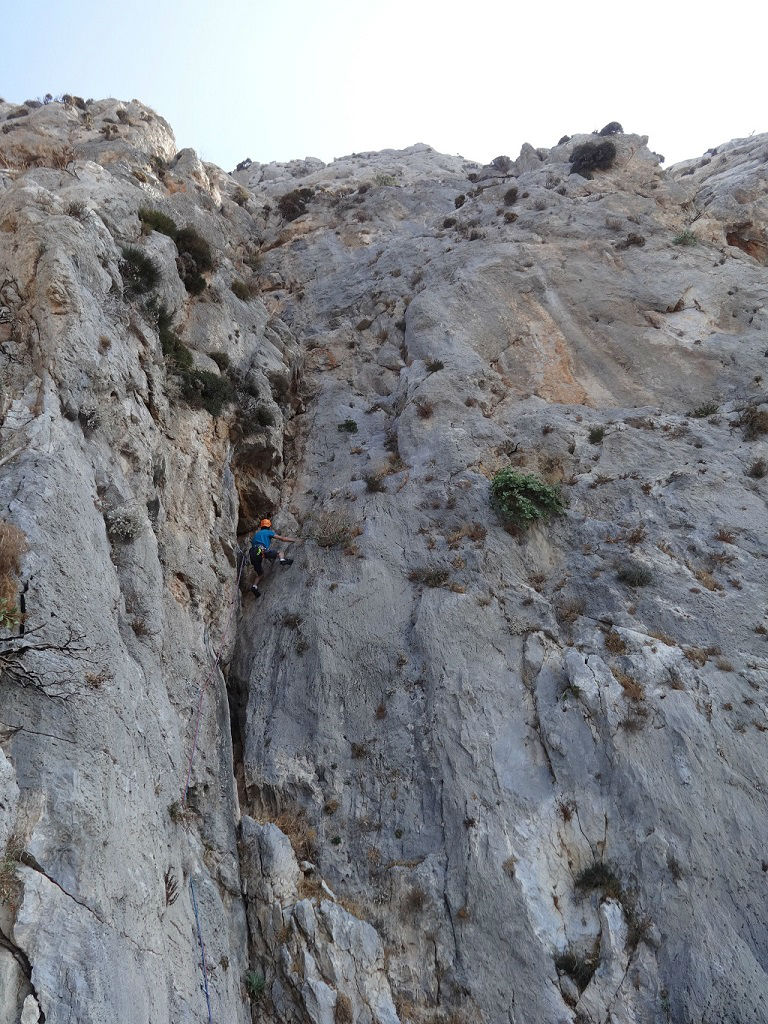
(549, 363)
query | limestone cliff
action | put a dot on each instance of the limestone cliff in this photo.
(443, 770)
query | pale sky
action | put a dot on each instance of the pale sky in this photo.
(275, 81)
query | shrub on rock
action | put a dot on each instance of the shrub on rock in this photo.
(294, 204)
(190, 241)
(156, 220)
(125, 522)
(139, 272)
(592, 156)
(754, 422)
(521, 499)
(205, 390)
(634, 573)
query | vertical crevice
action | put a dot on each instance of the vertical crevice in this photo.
(25, 964)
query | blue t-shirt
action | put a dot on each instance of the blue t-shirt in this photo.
(262, 538)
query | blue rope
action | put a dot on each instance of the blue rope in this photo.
(202, 953)
(207, 680)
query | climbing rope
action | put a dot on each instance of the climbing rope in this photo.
(204, 687)
(198, 717)
(202, 953)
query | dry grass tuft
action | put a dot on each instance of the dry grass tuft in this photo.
(665, 638)
(414, 902)
(633, 690)
(302, 836)
(335, 528)
(754, 421)
(343, 1012)
(700, 655)
(706, 579)
(614, 643)
(473, 531)
(13, 544)
(429, 577)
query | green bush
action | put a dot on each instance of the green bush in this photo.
(685, 238)
(195, 257)
(221, 359)
(522, 498)
(204, 390)
(596, 435)
(242, 290)
(591, 156)
(193, 281)
(347, 427)
(255, 984)
(139, 272)
(264, 416)
(599, 876)
(189, 241)
(199, 388)
(174, 350)
(634, 574)
(510, 196)
(158, 221)
(294, 204)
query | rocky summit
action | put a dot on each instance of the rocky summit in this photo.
(493, 749)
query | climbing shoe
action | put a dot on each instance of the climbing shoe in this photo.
(286, 561)
(255, 591)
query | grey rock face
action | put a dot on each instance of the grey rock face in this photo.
(487, 741)
(482, 776)
(318, 958)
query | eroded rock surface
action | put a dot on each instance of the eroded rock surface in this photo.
(444, 772)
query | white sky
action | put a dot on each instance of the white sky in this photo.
(274, 81)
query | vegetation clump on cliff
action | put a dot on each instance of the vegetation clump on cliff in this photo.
(521, 499)
(592, 156)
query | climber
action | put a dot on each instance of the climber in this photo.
(260, 549)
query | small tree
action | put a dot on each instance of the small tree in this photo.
(522, 498)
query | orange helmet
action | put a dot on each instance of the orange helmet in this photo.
(265, 524)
